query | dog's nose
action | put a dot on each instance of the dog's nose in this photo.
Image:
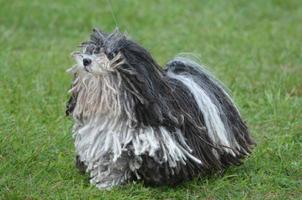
(86, 62)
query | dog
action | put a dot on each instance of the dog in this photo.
(134, 120)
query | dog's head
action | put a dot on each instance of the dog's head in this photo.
(101, 54)
(112, 64)
(106, 53)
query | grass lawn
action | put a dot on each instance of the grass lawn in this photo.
(254, 47)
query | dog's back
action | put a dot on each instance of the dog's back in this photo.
(212, 128)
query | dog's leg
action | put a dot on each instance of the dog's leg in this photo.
(80, 165)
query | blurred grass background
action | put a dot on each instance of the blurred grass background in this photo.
(254, 47)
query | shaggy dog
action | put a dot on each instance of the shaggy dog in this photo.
(135, 120)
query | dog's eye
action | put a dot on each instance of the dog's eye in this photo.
(96, 50)
(111, 55)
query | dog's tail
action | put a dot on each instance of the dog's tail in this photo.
(222, 119)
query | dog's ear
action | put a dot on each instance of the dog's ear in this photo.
(115, 40)
(98, 36)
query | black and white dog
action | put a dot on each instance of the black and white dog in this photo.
(134, 120)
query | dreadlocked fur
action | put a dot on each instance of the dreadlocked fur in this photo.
(134, 120)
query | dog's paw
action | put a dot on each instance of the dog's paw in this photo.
(80, 165)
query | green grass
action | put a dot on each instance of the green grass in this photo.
(254, 47)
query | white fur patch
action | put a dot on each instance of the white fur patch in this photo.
(216, 128)
(103, 145)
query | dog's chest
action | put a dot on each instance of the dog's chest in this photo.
(102, 145)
